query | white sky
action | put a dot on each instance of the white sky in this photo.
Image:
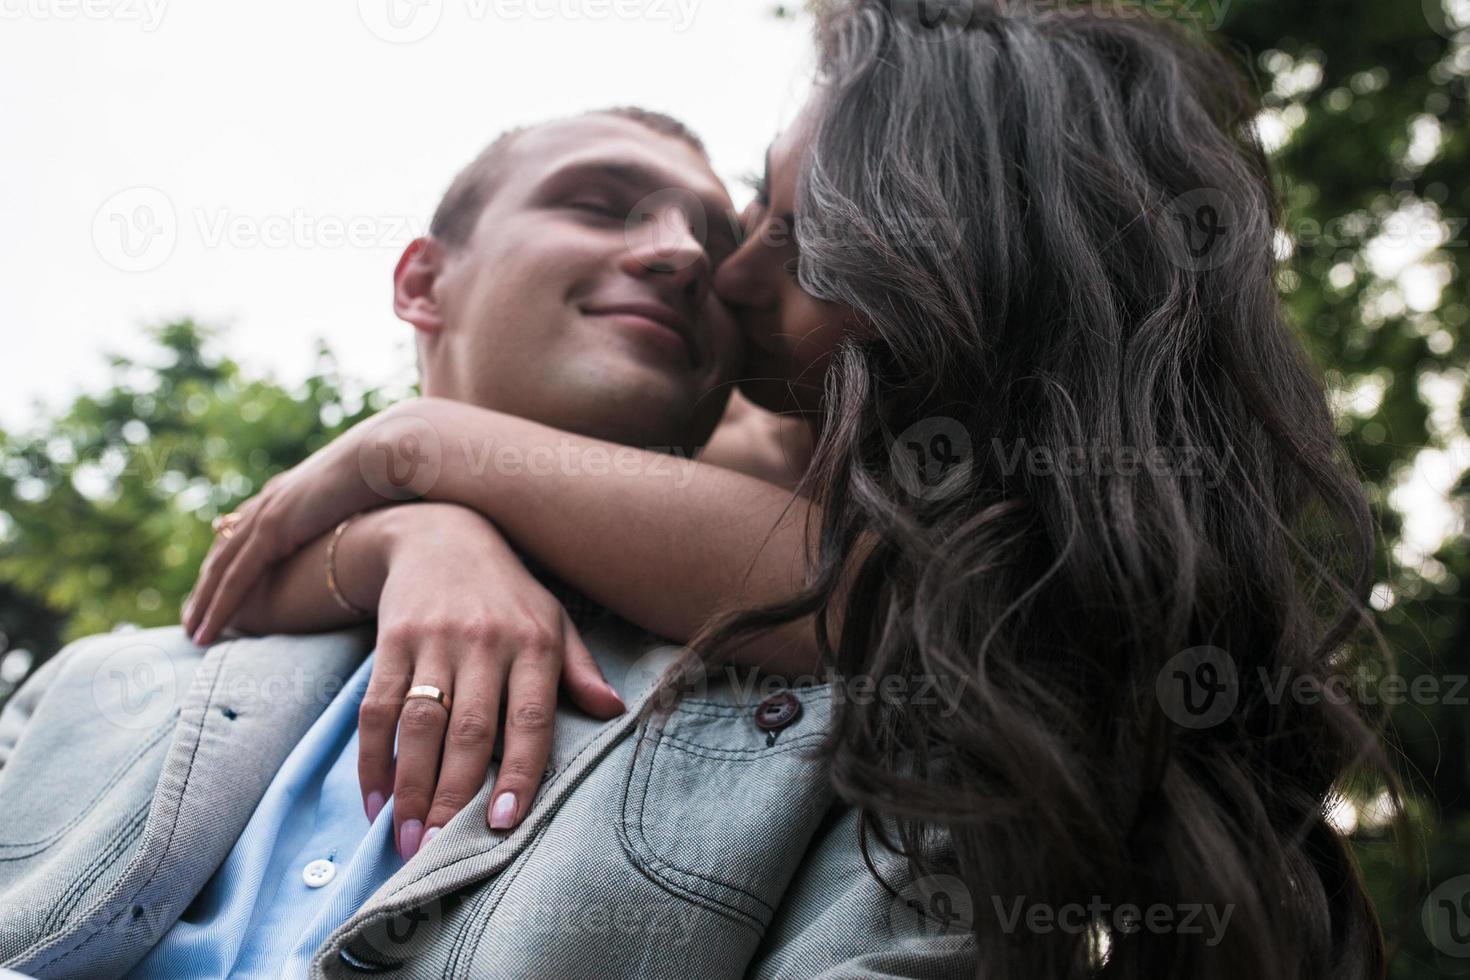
(250, 139)
(243, 137)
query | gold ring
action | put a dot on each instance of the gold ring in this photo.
(428, 691)
(224, 525)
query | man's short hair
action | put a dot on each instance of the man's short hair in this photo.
(454, 219)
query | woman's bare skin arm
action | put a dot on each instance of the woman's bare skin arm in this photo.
(293, 596)
(665, 542)
(750, 440)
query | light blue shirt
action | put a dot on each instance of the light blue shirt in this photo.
(307, 861)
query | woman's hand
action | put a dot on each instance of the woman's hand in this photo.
(612, 520)
(459, 611)
(349, 475)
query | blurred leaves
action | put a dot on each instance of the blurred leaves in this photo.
(105, 509)
(1366, 105)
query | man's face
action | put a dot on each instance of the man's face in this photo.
(582, 298)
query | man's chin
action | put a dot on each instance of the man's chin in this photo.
(647, 409)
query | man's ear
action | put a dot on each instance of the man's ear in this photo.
(413, 285)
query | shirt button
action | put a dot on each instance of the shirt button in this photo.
(318, 873)
(777, 711)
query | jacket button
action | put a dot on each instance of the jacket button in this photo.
(777, 711)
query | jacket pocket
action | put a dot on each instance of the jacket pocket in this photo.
(718, 810)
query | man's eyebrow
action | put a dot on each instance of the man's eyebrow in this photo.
(626, 172)
(631, 172)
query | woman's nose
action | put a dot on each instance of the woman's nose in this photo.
(746, 278)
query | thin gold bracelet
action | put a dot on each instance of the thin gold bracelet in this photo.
(332, 585)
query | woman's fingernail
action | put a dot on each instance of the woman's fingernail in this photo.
(503, 812)
(408, 838)
(429, 835)
(374, 806)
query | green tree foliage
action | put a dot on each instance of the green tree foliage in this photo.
(105, 508)
(1371, 100)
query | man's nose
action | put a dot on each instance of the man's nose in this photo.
(668, 246)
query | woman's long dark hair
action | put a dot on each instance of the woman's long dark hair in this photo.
(1057, 228)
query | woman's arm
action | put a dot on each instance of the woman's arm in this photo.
(751, 440)
(293, 596)
(665, 542)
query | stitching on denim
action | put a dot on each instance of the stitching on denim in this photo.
(801, 693)
(228, 648)
(636, 858)
(71, 897)
(744, 711)
(643, 809)
(747, 755)
(496, 895)
(571, 764)
(339, 943)
(697, 899)
(100, 867)
(664, 869)
(463, 938)
(125, 767)
(663, 872)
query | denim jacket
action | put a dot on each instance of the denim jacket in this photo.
(704, 845)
